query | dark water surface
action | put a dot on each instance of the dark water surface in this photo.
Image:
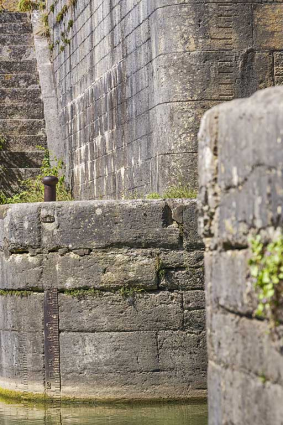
(162, 414)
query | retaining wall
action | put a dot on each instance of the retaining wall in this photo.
(240, 164)
(102, 300)
(135, 77)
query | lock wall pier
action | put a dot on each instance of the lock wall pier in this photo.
(102, 300)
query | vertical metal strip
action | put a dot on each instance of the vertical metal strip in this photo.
(51, 344)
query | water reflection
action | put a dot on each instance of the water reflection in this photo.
(165, 414)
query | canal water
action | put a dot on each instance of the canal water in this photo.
(12, 413)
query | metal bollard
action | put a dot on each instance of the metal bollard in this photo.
(50, 183)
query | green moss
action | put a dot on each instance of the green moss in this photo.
(60, 17)
(70, 24)
(9, 396)
(19, 293)
(126, 292)
(21, 396)
(82, 293)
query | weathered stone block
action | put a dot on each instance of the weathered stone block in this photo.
(21, 229)
(194, 300)
(181, 259)
(232, 288)
(114, 313)
(268, 26)
(201, 26)
(22, 361)
(18, 312)
(107, 352)
(246, 344)
(242, 394)
(192, 239)
(194, 321)
(131, 386)
(109, 223)
(101, 270)
(185, 353)
(21, 341)
(182, 279)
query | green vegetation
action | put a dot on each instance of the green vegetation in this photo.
(30, 5)
(153, 195)
(266, 268)
(70, 24)
(32, 190)
(2, 142)
(82, 293)
(60, 17)
(19, 293)
(125, 292)
(45, 18)
(174, 192)
(263, 379)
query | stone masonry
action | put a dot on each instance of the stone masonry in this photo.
(240, 165)
(22, 126)
(102, 300)
(135, 77)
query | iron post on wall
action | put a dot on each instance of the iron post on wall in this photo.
(50, 183)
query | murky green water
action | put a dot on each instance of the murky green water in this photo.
(164, 414)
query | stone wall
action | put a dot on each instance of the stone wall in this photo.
(240, 164)
(135, 77)
(102, 300)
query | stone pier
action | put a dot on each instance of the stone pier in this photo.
(102, 300)
(241, 180)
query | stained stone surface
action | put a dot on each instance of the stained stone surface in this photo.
(130, 311)
(240, 164)
(135, 77)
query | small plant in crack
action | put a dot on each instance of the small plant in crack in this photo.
(266, 270)
(2, 142)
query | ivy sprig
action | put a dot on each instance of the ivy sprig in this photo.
(266, 269)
